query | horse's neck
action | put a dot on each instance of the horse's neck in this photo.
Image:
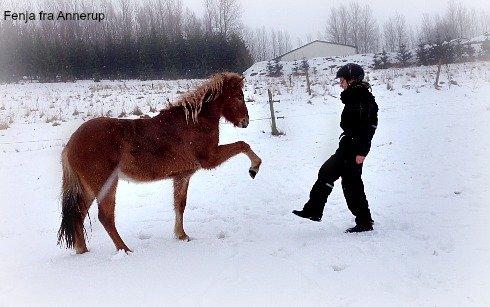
(211, 112)
(207, 122)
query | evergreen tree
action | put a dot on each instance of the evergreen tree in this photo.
(442, 51)
(422, 54)
(485, 49)
(278, 67)
(305, 65)
(403, 56)
(147, 46)
(296, 68)
(385, 59)
(274, 68)
(458, 51)
(381, 60)
(270, 68)
(470, 52)
(378, 64)
(435, 53)
(448, 52)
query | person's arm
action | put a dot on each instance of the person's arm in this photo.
(369, 123)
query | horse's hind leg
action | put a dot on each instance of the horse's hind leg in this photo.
(107, 205)
(181, 184)
(80, 245)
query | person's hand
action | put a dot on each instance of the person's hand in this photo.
(360, 159)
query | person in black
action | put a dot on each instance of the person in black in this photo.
(359, 121)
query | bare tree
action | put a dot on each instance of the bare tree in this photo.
(210, 16)
(354, 25)
(259, 43)
(343, 18)
(274, 43)
(401, 30)
(299, 42)
(263, 45)
(396, 32)
(333, 26)
(229, 17)
(484, 22)
(355, 16)
(267, 44)
(309, 38)
(173, 18)
(389, 35)
(281, 47)
(287, 41)
(368, 31)
(192, 25)
(463, 22)
(449, 22)
(425, 29)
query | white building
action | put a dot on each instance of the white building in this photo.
(317, 49)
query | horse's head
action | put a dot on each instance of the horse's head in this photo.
(233, 107)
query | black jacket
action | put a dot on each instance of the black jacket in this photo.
(360, 116)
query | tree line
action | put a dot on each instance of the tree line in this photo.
(163, 39)
(355, 25)
(139, 39)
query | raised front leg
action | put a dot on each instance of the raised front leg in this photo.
(224, 152)
(181, 184)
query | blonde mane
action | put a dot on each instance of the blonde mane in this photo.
(192, 102)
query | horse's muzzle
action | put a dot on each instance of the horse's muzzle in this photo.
(243, 123)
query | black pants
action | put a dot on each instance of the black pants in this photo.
(343, 165)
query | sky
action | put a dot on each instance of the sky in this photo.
(300, 17)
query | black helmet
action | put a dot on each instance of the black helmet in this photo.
(350, 72)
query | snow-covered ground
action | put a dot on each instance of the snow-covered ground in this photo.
(426, 178)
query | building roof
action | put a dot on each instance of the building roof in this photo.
(318, 40)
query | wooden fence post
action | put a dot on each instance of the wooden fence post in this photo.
(308, 87)
(436, 83)
(273, 116)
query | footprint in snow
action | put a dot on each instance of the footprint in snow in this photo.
(338, 268)
(143, 236)
(121, 254)
(222, 235)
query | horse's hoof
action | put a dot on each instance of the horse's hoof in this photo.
(125, 249)
(183, 237)
(253, 172)
(81, 251)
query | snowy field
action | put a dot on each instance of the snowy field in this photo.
(426, 178)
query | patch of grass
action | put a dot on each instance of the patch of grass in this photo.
(122, 114)
(52, 119)
(4, 125)
(137, 111)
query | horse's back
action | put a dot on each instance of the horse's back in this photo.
(99, 133)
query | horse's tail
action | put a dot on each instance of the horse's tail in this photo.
(72, 205)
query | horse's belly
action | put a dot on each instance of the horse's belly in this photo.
(152, 169)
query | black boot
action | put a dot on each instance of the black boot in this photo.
(308, 215)
(311, 212)
(360, 228)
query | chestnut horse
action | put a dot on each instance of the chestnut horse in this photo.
(174, 144)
